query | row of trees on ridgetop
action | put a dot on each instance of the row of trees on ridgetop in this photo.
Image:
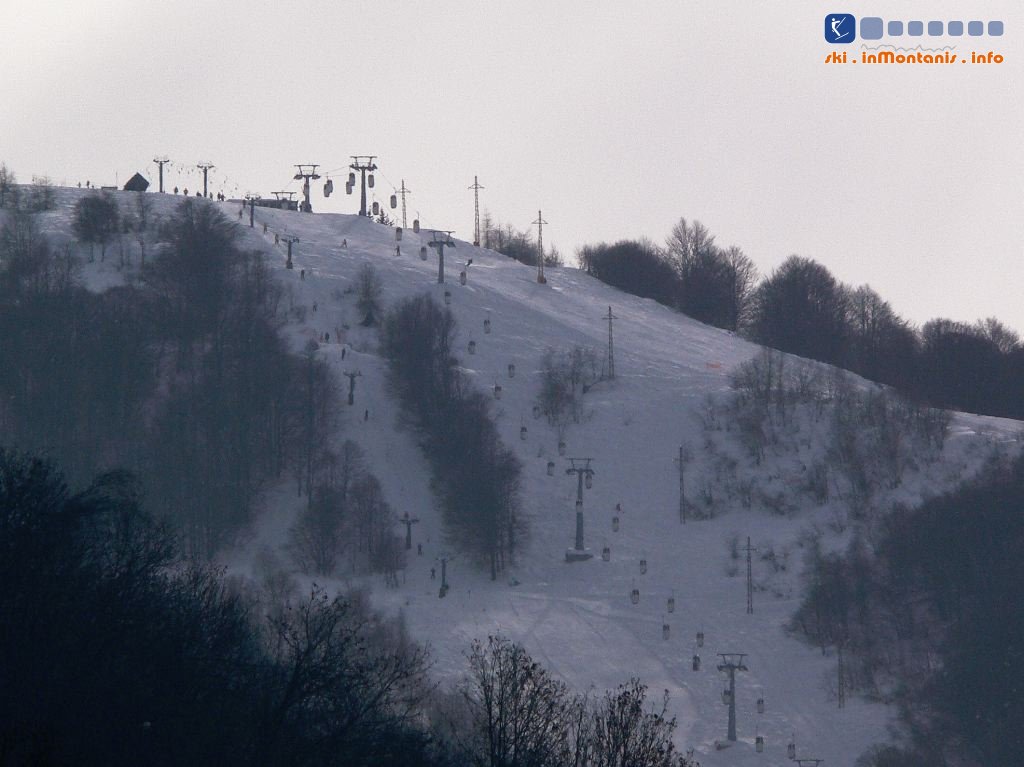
(690, 273)
(514, 243)
(118, 651)
(801, 308)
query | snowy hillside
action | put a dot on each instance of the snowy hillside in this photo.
(578, 619)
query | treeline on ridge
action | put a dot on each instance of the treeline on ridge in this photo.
(802, 309)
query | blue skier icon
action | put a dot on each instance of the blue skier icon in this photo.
(840, 28)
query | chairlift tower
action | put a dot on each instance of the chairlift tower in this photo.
(364, 163)
(306, 173)
(583, 471)
(403, 192)
(441, 238)
(541, 279)
(476, 211)
(251, 199)
(408, 521)
(444, 559)
(352, 376)
(731, 663)
(285, 195)
(205, 168)
(290, 240)
(161, 161)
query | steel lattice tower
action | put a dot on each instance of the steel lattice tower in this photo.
(476, 211)
(403, 191)
(540, 248)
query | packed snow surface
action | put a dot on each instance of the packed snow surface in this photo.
(578, 619)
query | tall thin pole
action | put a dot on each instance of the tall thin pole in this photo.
(205, 168)
(290, 240)
(681, 462)
(408, 521)
(476, 211)
(306, 172)
(540, 248)
(582, 472)
(750, 578)
(403, 191)
(731, 663)
(611, 345)
(161, 161)
(443, 559)
(579, 511)
(841, 675)
(252, 209)
(440, 239)
(352, 376)
(363, 163)
(732, 703)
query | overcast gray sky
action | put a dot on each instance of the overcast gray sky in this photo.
(615, 118)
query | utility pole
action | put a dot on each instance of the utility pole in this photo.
(306, 173)
(205, 168)
(476, 211)
(578, 553)
(289, 240)
(252, 210)
(408, 521)
(352, 385)
(611, 346)
(440, 239)
(161, 161)
(540, 248)
(363, 163)
(403, 191)
(750, 578)
(681, 461)
(731, 663)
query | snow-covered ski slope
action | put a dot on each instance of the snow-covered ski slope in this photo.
(578, 619)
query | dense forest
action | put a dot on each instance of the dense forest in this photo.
(924, 603)
(180, 375)
(119, 650)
